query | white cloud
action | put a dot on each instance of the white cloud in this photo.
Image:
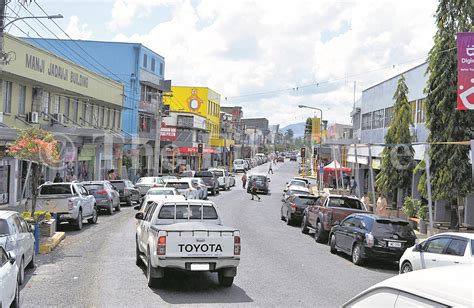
(240, 47)
(76, 30)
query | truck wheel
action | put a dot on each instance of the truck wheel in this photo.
(224, 281)
(281, 215)
(288, 219)
(356, 255)
(79, 221)
(332, 244)
(21, 272)
(93, 219)
(110, 210)
(117, 208)
(16, 300)
(33, 258)
(319, 234)
(304, 226)
(153, 282)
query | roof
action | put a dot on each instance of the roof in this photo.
(375, 216)
(436, 284)
(189, 201)
(396, 76)
(5, 214)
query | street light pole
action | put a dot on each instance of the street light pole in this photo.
(320, 141)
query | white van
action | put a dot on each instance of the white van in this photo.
(239, 165)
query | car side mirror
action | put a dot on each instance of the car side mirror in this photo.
(418, 247)
(137, 207)
(139, 216)
(11, 257)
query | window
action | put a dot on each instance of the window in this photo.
(90, 115)
(7, 97)
(145, 123)
(108, 118)
(96, 115)
(153, 64)
(457, 247)
(22, 100)
(84, 111)
(437, 245)
(76, 109)
(388, 116)
(3, 257)
(56, 189)
(55, 105)
(67, 104)
(348, 222)
(420, 111)
(366, 121)
(166, 212)
(119, 120)
(377, 119)
(149, 213)
(113, 119)
(145, 60)
(185, 121)
(345, 203)
(45, 103)
(161, 69)
(102, 113)
(4, 229)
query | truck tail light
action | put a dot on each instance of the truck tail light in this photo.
(293, 207)
(70, 204)
(161, 246)
(369, 240)
(237, 245)
(102, 192)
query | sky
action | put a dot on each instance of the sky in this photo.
(268, 56)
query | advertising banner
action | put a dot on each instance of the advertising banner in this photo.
(465, 46)
(315, 130)
(168, 133)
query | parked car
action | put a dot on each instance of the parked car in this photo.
(187, 174)
(292, 157)
(222, 178)
(184, 187)
(439, 250)
(187, 235)
(70, 202)
(262, 183)
(169, 177)
(231, 180)
(280, 159)
(145, 183)
(157, 194)
(331, 210)
(199, 184)
(447, 286)
(10, 288)
(299, 178)
(127, 191)
(292, 190)
(293, 207)
(296, 182)
(368, 236)
(106, 195)
(306, 168)
(247, 164)
(239, 165)
(210, 180)
(16, 237)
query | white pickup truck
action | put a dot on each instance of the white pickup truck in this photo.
(188, 235)
(70, 201)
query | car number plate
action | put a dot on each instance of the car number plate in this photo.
(199, 267)
(394, 244)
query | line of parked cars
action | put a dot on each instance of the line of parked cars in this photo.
(345, 223)
(245, 164)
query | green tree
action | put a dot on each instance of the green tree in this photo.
(397, 158)
(450, 168)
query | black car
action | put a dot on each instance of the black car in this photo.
(292, 208)
(127, 191)
(366, 236)
(210, 180)
(262, 183)
(293, 158)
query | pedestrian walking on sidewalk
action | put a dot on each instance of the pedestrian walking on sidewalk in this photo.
(244, 180)
(353, 184)
(270, 168)
(253, 189)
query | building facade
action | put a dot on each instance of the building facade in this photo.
(80, 107)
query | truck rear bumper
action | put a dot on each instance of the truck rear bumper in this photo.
(185, 263)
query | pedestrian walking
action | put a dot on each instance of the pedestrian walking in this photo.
(353, 184)
(381, 208)
(244, 180)
(270, 168)
(253, 189)
(366, 201)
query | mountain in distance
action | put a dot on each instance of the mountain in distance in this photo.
(298, 129)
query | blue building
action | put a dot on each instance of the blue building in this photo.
(140, 69)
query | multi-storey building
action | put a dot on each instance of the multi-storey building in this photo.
(82, 108)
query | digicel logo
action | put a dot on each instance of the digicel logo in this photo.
(194, 102)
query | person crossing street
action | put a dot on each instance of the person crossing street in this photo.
(244, 180)
(253, 189)
(270, 169)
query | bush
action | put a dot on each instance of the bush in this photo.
(422, 211)
(38, 217)
(411, 206)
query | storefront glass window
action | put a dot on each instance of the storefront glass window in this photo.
(7, 97)
(22, 100)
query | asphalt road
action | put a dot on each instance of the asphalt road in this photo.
(280, 266)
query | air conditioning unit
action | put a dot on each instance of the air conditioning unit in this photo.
(32, 117)
(59, 118)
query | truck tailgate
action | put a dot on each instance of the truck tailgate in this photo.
(200, 244)
(52, 204)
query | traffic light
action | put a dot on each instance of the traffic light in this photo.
(303, 152)
(315, 151)
(200, 148)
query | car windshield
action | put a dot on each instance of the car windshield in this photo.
(385, 227)
(148, 180)
(59, 189)
(93, 187)
(303, 200)
(178, 185)
(218, 173)
(297, 183)
(259, 178)
(4, 230)
(238, 161)
(204, 174)
(160, 192)
(346, 203)
(195, 211)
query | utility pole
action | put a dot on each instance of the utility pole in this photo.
(157, 154)
(3, 54)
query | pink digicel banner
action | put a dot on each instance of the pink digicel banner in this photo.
(465, 44)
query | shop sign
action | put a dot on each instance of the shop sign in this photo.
(167, 133)
(194, 150)
(465, 46)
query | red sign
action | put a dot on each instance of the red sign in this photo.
(195, 150)
(168, 133)
(465, 44)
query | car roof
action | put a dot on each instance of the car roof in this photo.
(94, 182)
(259, 174)
(449, 285)
(377, 217)
(461, 234)
(306, 196)
(180, 200)
(5, 214)
(298, 188)
(181, 180)
(343, 196)
(161, 188)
